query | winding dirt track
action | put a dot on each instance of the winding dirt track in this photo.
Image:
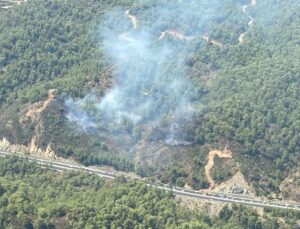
(176, 34)
(225, 154)
(184, 37)
(37, 108)
(163, 34)
(250, 22)
(133, 19)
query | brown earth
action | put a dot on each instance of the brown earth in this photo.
(226, 154)
(32, 149)
(34, 110)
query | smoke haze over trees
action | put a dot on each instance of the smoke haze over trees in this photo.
(150, 74)
(133, 89)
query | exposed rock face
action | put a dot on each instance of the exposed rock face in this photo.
(32, 113)
(31, 148)
(5, 145)
(27, 129)
(238, 180)
(31, 116)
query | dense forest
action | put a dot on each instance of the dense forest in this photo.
(32, 197)
(246, 94)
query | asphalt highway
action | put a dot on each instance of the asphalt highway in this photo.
(211, 196)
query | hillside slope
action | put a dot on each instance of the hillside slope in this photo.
(32, 197)
(242, 62)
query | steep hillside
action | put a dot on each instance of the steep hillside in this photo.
(74, 84)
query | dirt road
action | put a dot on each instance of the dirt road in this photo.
(133, 19)
(225, 154)
(250, 22)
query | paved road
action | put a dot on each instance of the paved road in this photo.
(61, 166)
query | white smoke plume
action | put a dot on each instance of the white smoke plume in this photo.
(151, 76)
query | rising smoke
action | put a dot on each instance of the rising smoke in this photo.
(147, 47)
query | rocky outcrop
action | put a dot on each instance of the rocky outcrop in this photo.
(31, 149)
